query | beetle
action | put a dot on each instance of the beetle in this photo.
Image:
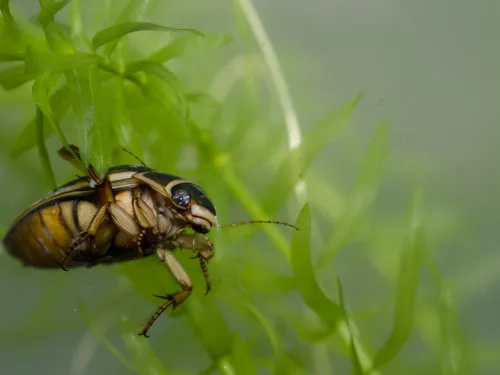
(130, 213)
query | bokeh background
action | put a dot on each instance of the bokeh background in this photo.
(429, 69)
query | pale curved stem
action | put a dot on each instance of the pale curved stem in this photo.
(280, 85)
(294, 136)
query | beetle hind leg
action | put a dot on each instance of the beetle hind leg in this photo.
(89, 234)
(174, 299)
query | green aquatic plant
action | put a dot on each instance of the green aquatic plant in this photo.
(277, 305)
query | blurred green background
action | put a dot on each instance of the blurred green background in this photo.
(404, 213)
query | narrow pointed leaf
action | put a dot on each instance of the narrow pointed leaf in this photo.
(407, 286)
(132, 11)
(60, 102)
(41, 89)
(455, 351)
(329, 312)
(298, 161)
(10, 23)
(202, 98)
(58, 38)
(49, 10)
(84, 108)
(216, 336)
(241, 359)
(42, 150)
(146, 361)
(98, 327)
(357, 368)
(163, 87)
(119, 31)
(14, 76)
(10, 48)
(362, 197)
(189, 44)
(39, 62)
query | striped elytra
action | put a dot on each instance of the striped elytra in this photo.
(43, 233)
(41, 238)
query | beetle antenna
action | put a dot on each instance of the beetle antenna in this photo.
(135, 156)
(258, 222)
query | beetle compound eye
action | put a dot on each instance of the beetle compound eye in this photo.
(181, 197)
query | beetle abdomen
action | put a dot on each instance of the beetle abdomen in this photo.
(41, 238)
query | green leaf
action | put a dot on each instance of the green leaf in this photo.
(329, 312)
(133, 10)
(298, 161)
(407, 286)
(274, 340)
(58, 38)
(40, 62)
(241, 359)
(98, 325)
(59, 102)
(10, 48)
(9, 22)
(49, 10)
(113, 33)
(146, 361)
(215, 337)
(455, 350)
(282, 363)
(85, 112)
(93, 105)
(357, 368)
(202, 98)
(42, 150)
(362, 196)
(190, 44)
(163, 87)
(455, 353)
(14, 76)
(41, 88)
(119, 118)
(323, 134)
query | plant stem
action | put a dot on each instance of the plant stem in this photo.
(280, 85)
(42, 150)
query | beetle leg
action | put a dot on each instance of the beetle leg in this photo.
(175, 299)
(203, 247)
(91, 232)
(127, 223)
(145, 217)
(206, 275)
(144, 214)
(139, 241)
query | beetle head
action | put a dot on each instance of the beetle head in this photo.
(193, 204)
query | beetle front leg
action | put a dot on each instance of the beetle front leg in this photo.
(127, 224)
(203, 247)
(175, 299)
